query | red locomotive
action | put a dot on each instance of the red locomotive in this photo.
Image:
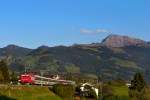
(27, 79)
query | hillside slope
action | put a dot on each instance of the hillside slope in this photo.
(119, 60)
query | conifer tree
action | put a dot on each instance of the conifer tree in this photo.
(137, 88)
(13, 77)
(138, 82)
(4, 71)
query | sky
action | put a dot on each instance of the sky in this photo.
(32, 23)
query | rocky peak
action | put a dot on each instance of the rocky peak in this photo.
(121, 41)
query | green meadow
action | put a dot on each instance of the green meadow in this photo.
(26, 93)
(121, 92)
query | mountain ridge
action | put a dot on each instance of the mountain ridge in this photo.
(118, 41)
(96, 58)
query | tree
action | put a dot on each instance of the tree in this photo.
(13, 77)
(137, 88)
(1, 77)
(4, 71)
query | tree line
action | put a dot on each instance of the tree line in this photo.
(4, 72)
(6, 76)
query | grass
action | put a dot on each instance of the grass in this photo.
(27, 93)
(121, 92)
(43, 93)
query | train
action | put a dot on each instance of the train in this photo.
(33, 79)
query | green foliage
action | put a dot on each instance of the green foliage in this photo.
(38, 62)
(52, 65)
(71, 68)
(115, 91)
(4, 73)
(142, 95)
(138, 82)
(137, 88)
(13, 77)
(107, 91)
(64, 91)
(2, 97)
(30, 61)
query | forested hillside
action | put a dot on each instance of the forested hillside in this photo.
(100, 59)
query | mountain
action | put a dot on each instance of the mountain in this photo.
(116, 57)
(111, 62)
(121, 41)
(14, 50)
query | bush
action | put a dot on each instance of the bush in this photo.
(107, 91)
(64, 91)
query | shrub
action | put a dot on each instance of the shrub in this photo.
(107, 91)
(64, 91)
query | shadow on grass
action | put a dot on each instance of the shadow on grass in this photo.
(2, 97)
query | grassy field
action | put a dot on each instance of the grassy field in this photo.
(43, 93)
(121, 92)
(26, 93)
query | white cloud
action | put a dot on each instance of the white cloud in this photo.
(96, 31)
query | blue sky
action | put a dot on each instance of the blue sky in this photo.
(31, 23)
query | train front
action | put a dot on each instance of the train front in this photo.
(27, 79)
